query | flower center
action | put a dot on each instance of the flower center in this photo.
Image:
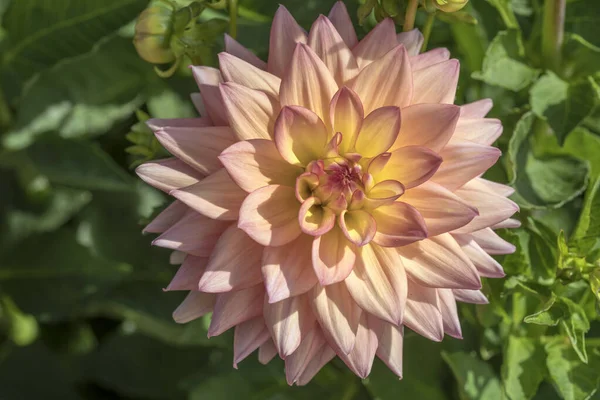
(343, 177)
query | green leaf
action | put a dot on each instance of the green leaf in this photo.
(546, 181)
(563, 105)
(588, 228)
(24, 218)
(584, 145)
(504, 65)
(21, 367)
(576, 326)
(583, 18)
(417, 382)
(52, 275)
(43, 32)
(523, 368)
(78, 164)
(580, 58)
(543, 257)
(573, 379)
(141, 367)
(476, 379)
(549, 315)
(103, 87)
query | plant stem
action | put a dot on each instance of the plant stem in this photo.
(553, 32)
(233, 14)
(427, 30)
(411, 15)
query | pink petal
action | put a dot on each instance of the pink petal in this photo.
(289, 321)
(314, 219)
(422, 313)
(248, 336)
(167, 218)
(235, 48)
(483, 131)
(437, 83)
(507, 223)
(239, 71)
(346, 112)
(266, 352)
(486, 265)
(198, 104)
(188, 275)
(490, 242)
(324, 355)
(256, 163)
(442, 210)
(285, 33)
(378, 83)
(251, 114)
(216, 196)
(233, 308)
(447, 305)
(333, 257)
(412, 40)
(285, 270)
(429, 58)
(300, 135)
(269, 215)
(439, 262)
(384, 193)
(235, 263)
(327, 43)
(168, 123)
(492, 208)
(168, 174)
(379, 131)
(470, 296)
(427, 125)
(340, 18)
(296, 363)
(195, 305)
(197, 147)
(208, 80)
(194, 234)
(360, 359)
(378, 41)
(398, 224)
(177, 257)
(494, 187)
(338, 315)
(378, 283)
(358, 226)
(308, 83)
(410, 165)
(464, 161)
(477, 109)
(391, 339)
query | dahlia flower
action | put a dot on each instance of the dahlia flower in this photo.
(330, 197)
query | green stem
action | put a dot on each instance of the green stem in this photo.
(508, 16)
(411, 15)
(233, 14)
(553, 32)
(427, 30)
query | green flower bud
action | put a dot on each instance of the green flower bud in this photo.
(450, 5)
(153, 31)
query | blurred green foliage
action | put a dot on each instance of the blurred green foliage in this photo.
(82, 314)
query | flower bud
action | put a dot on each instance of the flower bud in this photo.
(450, 5)
(153, 31)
